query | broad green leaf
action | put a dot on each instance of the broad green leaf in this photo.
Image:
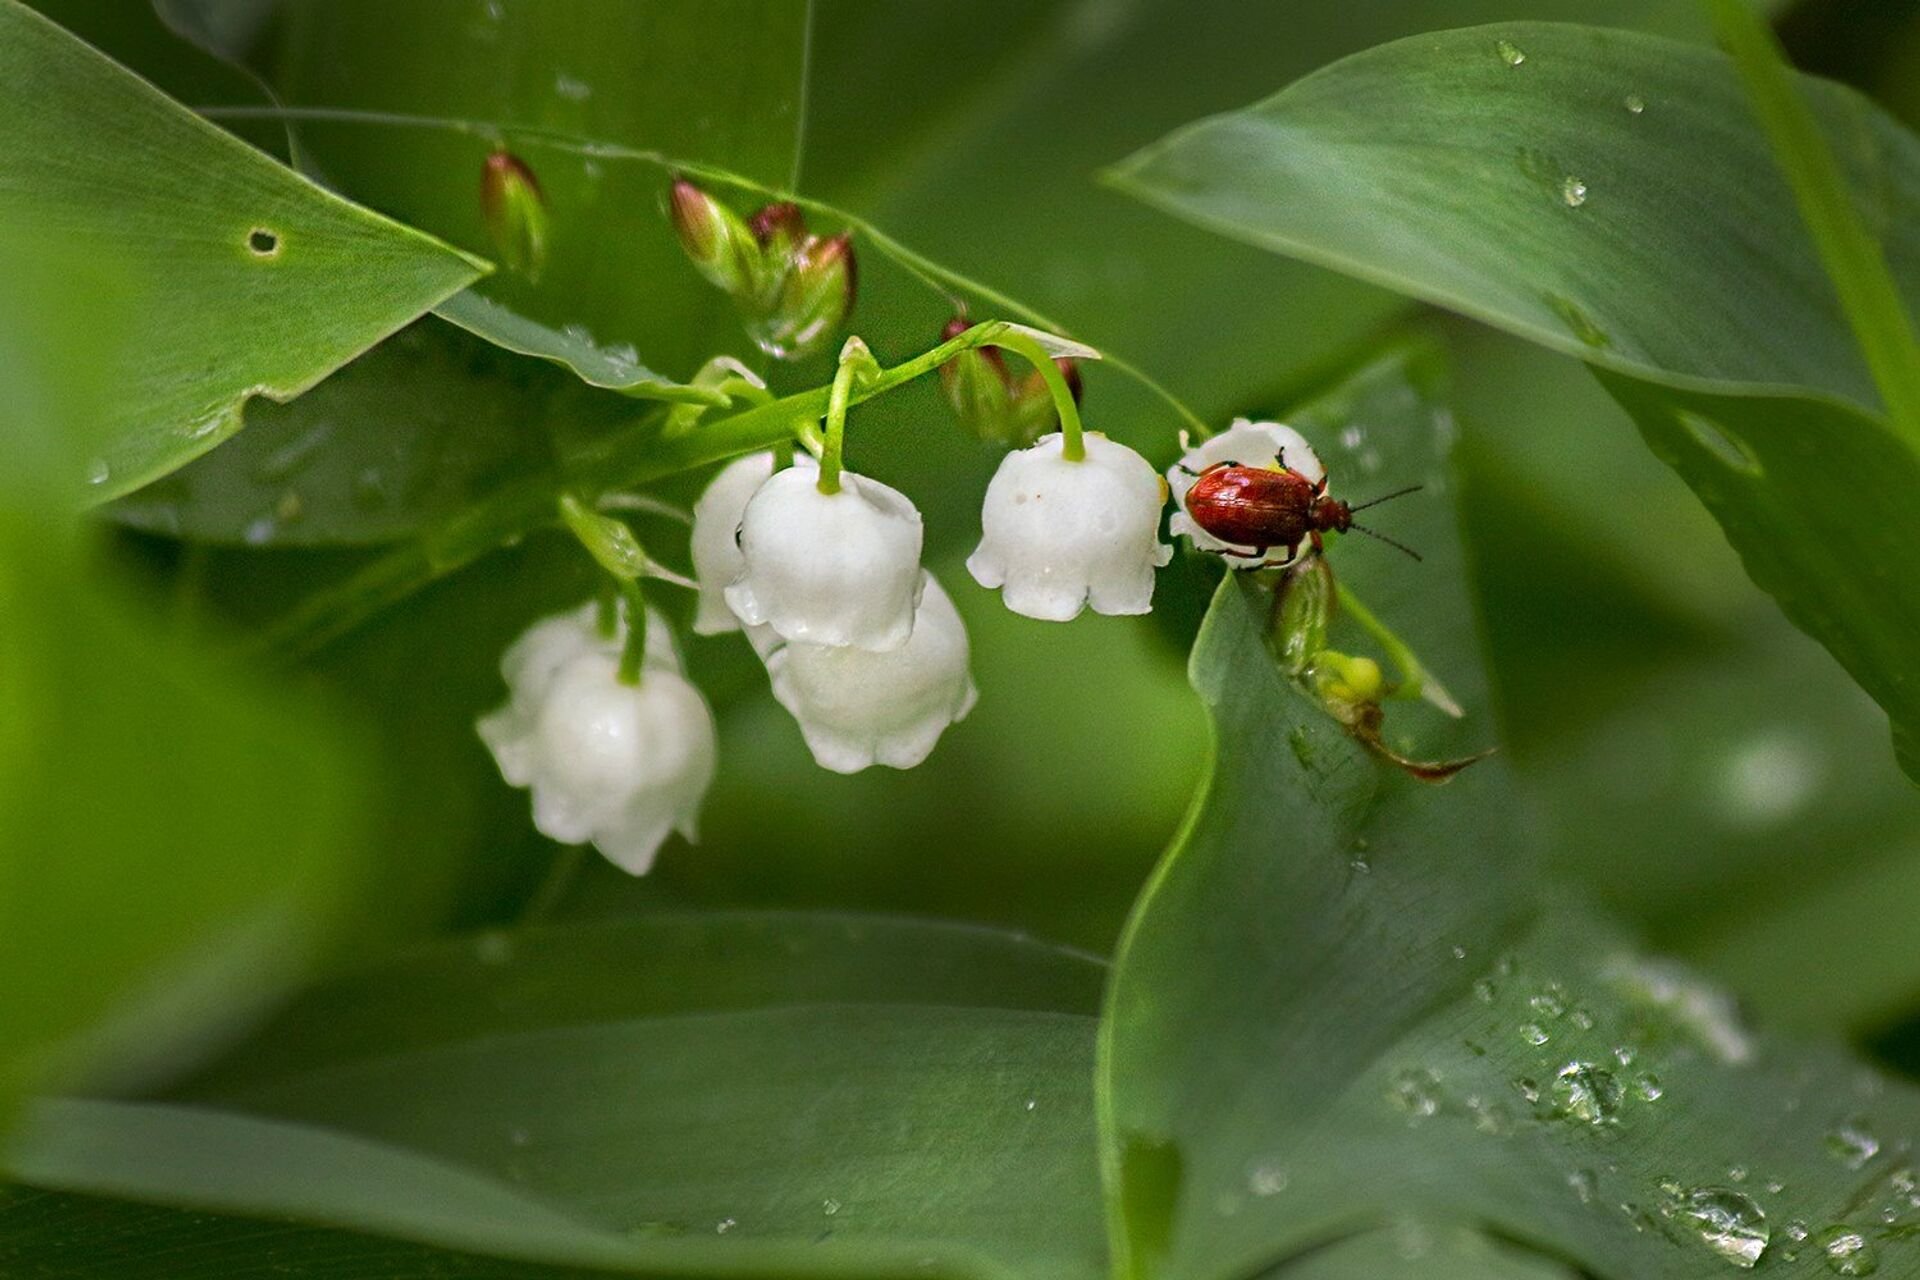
(244, 279)
(409, 435)
(615, 369)
(1609, 196)
(1339, 1002)
(718, 1093)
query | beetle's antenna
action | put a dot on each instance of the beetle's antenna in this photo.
(1398, 546)
(1397, 493)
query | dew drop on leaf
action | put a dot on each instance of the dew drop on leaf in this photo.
(1727, 1221)
(1267, 1179)
(1510, 53)
(1415, 1091)
(1573, 191)
(1647, 1087)
(98, 472)
(1847, 1252)
(1852, 1144)
(1635, 103)
(1533, 1033)
(1585, 1092)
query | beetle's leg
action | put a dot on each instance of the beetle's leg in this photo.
(1211, 466)
(1256, 554)
(1318, 545)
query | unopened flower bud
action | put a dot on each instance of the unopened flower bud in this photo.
(719, 243)
(778, 229)
(992, 402)
(515, 211)
(814, 298)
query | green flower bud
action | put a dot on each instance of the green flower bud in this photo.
(719, 243)
(995, 405)
(515, 211)
(814, 298)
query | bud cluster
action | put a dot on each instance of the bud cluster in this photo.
(995, 404)
(794, 289)
(515, 212)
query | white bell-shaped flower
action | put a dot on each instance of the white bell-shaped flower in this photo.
(616, 764)
(1057, 536)
(1252, 444)
(829, 569)
(858, 708)
(716, 533)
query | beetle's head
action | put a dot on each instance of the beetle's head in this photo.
(1333, 514)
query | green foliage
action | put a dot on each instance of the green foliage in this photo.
(241, 279)
(1609, 196)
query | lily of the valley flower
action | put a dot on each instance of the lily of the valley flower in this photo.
(829, 568)
(620, 765)
(1253, 444)
(858, 708)
(1058, 535)
(716, 531)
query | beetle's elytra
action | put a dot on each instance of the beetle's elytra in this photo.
(1268, 507)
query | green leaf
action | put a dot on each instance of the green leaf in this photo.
(1610, 196)
(710, 1094)
(1339, 1003)
(244, 279)
(409, 435)
(618, 369)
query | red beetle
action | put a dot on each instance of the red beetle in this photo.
(1265, 507)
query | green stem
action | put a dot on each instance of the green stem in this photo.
(1416, 681)
(836, 425)
(945, 281)
(633, 656)
(623, 460)
(1073, 445)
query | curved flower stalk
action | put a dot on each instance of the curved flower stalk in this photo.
(621, 765)
(716, 532)
(1059, 535)
(858, 708)
(838, 568)
(1253, 444)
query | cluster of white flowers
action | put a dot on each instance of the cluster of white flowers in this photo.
(861, 644)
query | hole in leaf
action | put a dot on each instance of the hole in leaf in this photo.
(263, 243)
(1716, 440)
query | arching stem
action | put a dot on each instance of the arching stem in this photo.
(856, 364)
(633, 656)
(1073, 445)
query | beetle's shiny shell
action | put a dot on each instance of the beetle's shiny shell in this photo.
(1252, 506)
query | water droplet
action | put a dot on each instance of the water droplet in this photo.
(571, 89)
(829, 1206)
(1510, 53)
(1459, 953)
(1738, 1173)
(1547, 1004)
(1585, 1092)
(1484, 991)
(1795, 1231)
(98, 471)
(1623, 1055)
(1852, 1144)
(1847, 1252)
(1267, 1180)
(1527, 1088)
(1584, 1184)
(1728, 448)
(1533, 1033)
(1727, 1221)
(1635, 103)
(1353, 437)
(1648, 1088)
(1415, 1091)
(723, 1226)
(205, 427)
(1573, 191)
(1578, 322)
(1775, 1187)
(1708, 1014)
(1488, 1115)
(1032, 1103)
